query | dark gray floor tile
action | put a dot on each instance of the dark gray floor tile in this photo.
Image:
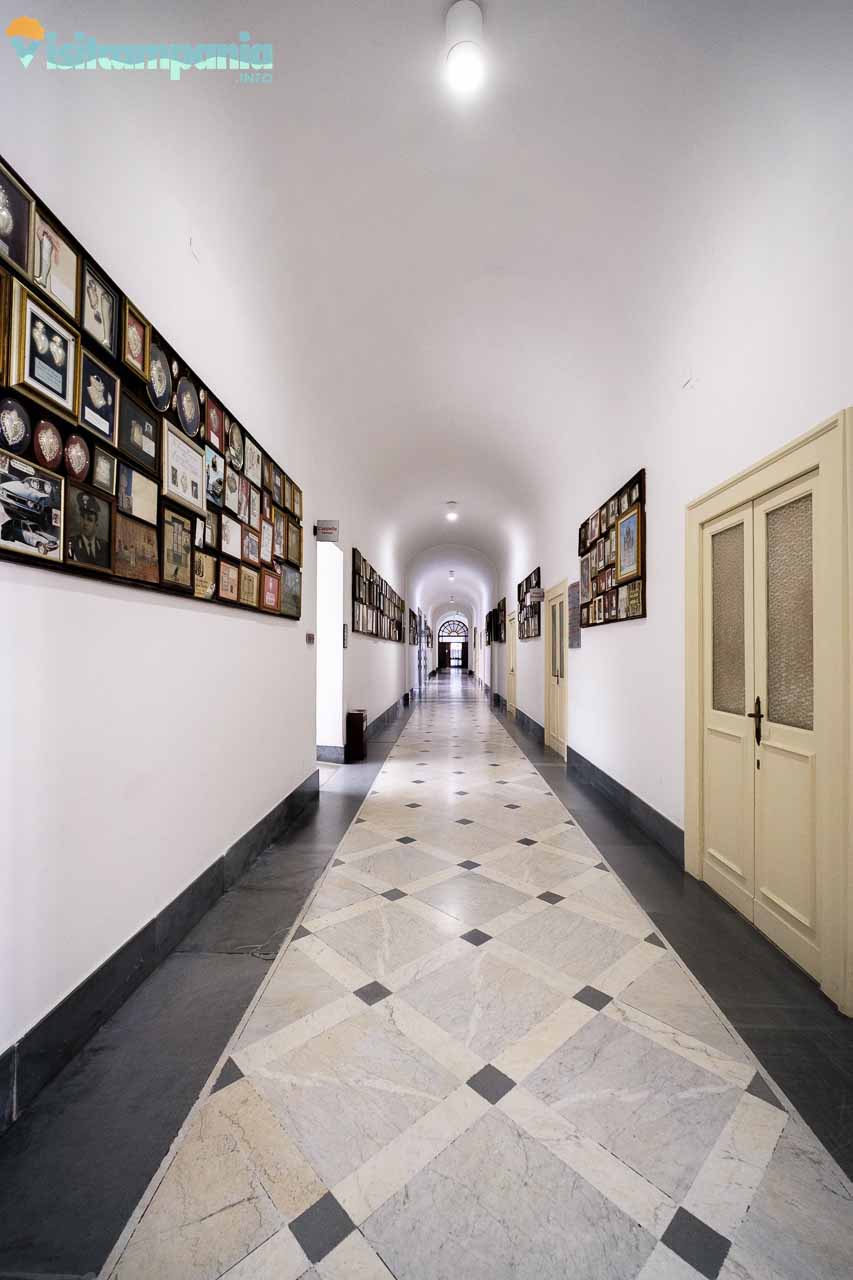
(322, 1227)
(244, 922)
(698, 1244)
(491, 1083)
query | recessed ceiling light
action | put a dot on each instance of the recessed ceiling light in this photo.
(451, 514)
(452, 575)
(465, 66)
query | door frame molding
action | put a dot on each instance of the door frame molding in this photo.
(512, 621)
(559, 590)
(827, 449)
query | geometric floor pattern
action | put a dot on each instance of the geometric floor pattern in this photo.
(476, 1060)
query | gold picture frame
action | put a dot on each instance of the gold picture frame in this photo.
(44, 354)
(629, 545)
(133, 317)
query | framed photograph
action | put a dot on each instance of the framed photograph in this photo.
(250, 546)
(137, 494)
(267, 473)
(267, 534)
(624, 504)
(294, 543)
(214, 476)
(159, 379)
(586, 584)
(44, 353)
(249, 587)
(270, 591)
(628, 545)
(211, 530)
(177, 533)
(32, 507)
(585, 615)
(593, 527)
(183, 469)
(204, 578)
(232, 533)
(136, 348)
(279, 541)
(634, 495)
(138, 434)
(297, 502)
(88, 530)
(100, 309)
(622, 603)
(235, 446)
(229, 582)
(599, 609)
(104, 471)
(611, 605)
(266, 505)
(56, 266)
(611, 546)
(16, 221)
(252, 462)
(244, 501)
(254, 507)
(135, 554)
(99, 395)
(277, 485)
(189, 408)
(231, 495)
(635, 605)
(602, 522)
(198, 535)
(214, 427)
(5, 312)
(288, 493)
(612, 511)
(291, 592)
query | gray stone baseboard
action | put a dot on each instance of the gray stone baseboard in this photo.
(528, 725)
(330, 755)
(27, 1066)
(660, 829)
(385, 718)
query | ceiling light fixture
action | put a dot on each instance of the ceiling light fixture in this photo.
(452, 575)
(451, 514)
(465, 65)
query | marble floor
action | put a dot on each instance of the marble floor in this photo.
(475, 1058)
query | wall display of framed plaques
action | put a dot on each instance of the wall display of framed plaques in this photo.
(229, 582)
(294, 543)
(413, 627)
(250, 546)
(56, 266)
(136, 340)
(88, 530)
(137, 494)
(214, 476)
(291, 591)
(177, 538)
(32, 507)
(138, 434)
(104, 471)
(270, 591)
(204, 576)
(135, 551)
(612, 550)
(183, 469)
(99, 393)
(136, 431)
(249, 587)
(232, 536)
(16, 221)
(529, 615)
(377, 610)
(159, 385)
(100, 310)
(44, 353)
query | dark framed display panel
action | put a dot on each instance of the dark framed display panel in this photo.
(377, 609)
(529, 615)
(98, 324)
(612, 551)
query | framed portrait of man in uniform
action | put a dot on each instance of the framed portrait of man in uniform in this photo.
(88, 530)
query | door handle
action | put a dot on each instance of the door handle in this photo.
(757, 717)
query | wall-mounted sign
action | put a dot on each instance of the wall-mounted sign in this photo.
(327, 530)
(536, 596)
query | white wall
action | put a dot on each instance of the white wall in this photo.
(141, 736)
(330, 645)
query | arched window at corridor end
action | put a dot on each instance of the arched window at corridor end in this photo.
(453, 644)
(453, 630)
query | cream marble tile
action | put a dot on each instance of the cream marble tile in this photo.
(297, 987)
(255, 1057)
(398, 865)
(279, 1258)
(353, 1259)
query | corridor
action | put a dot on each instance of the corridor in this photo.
(475, 1058)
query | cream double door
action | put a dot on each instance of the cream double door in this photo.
(556, 700)
(760, 760)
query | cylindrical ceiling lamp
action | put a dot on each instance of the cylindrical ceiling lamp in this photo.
(465, 61)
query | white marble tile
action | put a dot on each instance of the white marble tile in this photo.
(258, 1055)
(668, 994)
(535, 968)
(381, 1177)
(579, 947)
(398, 865)
(724, 1187)
(640, 960)
(433, 1039)
(336, 892)
(379, 942)
(679, 1042)
(372, 902)
(471, 899)
(279, 1258)
(353, 1259)
(635, 1195)
(538, 867)
(520, 1059)
(666, 1265)
(350, 976)
(501, 925)
(297, 987)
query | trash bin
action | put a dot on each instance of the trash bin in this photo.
(356, 743)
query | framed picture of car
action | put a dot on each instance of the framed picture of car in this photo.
(32, 509)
